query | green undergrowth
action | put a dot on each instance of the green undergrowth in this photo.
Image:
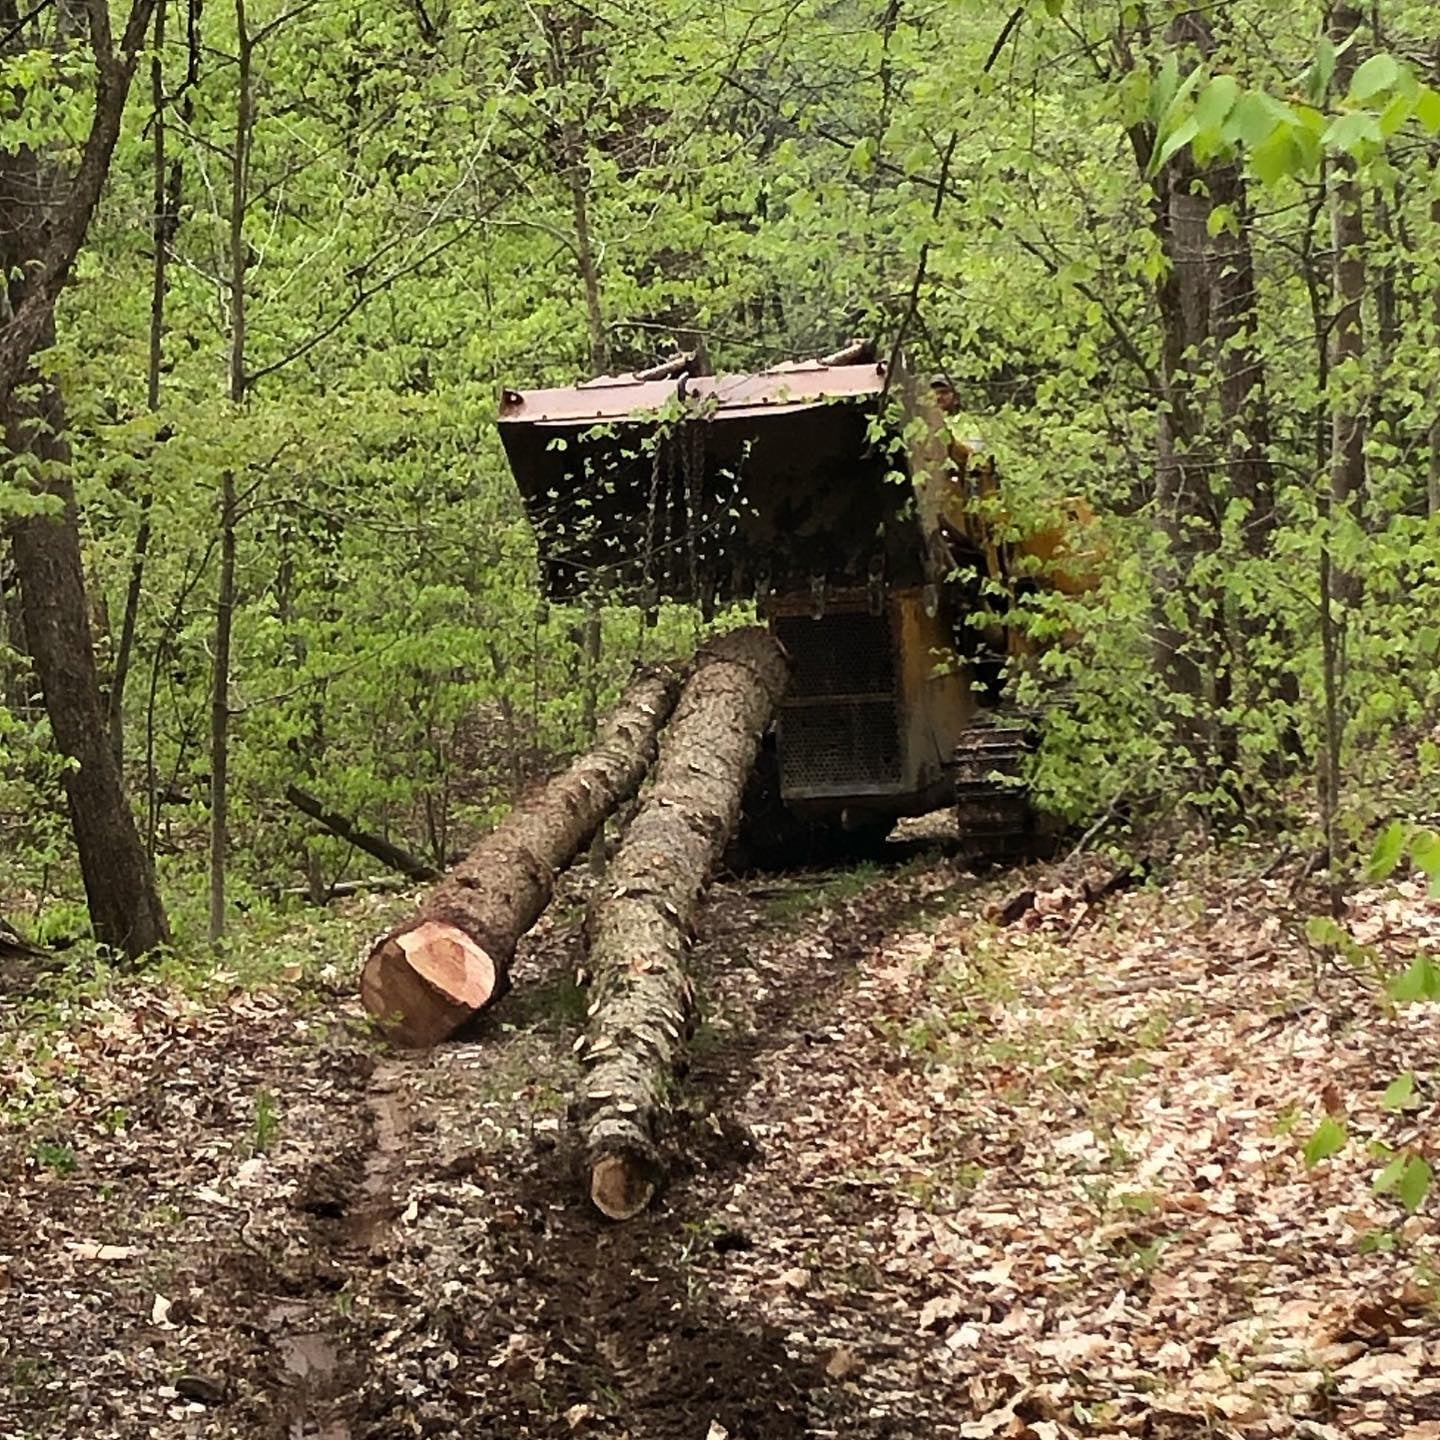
(304, 955)
(796, 898)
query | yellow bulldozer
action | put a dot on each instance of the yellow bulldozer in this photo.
(833, 496)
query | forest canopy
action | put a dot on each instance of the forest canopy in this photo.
(271, 265)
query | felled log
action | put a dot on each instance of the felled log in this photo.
(13, 945)
(428, 976)
(374, 845)
(640, 926)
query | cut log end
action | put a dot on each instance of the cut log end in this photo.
(621, 1185)
(423, 984)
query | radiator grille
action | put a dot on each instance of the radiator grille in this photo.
(839, 727)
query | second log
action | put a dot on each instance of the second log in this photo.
(640, 924)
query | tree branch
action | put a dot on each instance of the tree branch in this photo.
(357, 300)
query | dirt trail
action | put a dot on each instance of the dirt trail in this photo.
(932, 1177)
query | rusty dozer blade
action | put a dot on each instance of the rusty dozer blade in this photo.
(715, 488)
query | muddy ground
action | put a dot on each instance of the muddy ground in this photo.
(934, 1175)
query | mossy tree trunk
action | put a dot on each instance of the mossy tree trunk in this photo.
(640, 926)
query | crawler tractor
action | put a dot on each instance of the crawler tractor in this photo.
(825, 492)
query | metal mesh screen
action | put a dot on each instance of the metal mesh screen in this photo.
(839, 727)
(838, 654)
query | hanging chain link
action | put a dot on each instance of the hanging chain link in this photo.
(694, 475)
(652, 520)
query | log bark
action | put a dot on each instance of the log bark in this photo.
(640, 927)
(430, 975)
(376, 846)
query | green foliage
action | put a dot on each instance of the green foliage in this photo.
(764, 181)
(1399, 1092)
(58, 1158)
(267, 1124)
(1329, 1139)
(1407, 1177)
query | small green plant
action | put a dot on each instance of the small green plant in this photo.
(57, 1158)
(267, 1123)
(1407, 1174)
(1142, 1202)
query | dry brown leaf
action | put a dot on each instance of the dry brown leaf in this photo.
(844, 1364)
(941, 1307)
(94, 1250)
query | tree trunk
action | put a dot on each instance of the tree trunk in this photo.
(1183, 462)
(428, 976)
(125, 909)
(1244, 406)
(229, 502)
(165, 197)
(569, 56)
(1245, 423)
(1347, 335)
(639, 930)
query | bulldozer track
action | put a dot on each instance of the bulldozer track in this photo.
(992, 801)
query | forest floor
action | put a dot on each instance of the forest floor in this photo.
(937, 1176)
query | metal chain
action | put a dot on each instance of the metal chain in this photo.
(694, 473)
(652, 516)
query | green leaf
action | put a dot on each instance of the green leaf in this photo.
(1419, 983)
(1388, 849)
(1414, 1184)
(1255, 118)
(1182, 135)
(1353, 132)
(1425, 852)
(1216, 101)
(1277, 158)
(1394, 115)
(1379, 72)
(1162, 92)
(1329, 1139)
(1388, 1178)
(1427, 109)
(1399, 1091)
(1322, 930)
(1317, 78)
(862, 156)
(1222, 218)
(1187, 88)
